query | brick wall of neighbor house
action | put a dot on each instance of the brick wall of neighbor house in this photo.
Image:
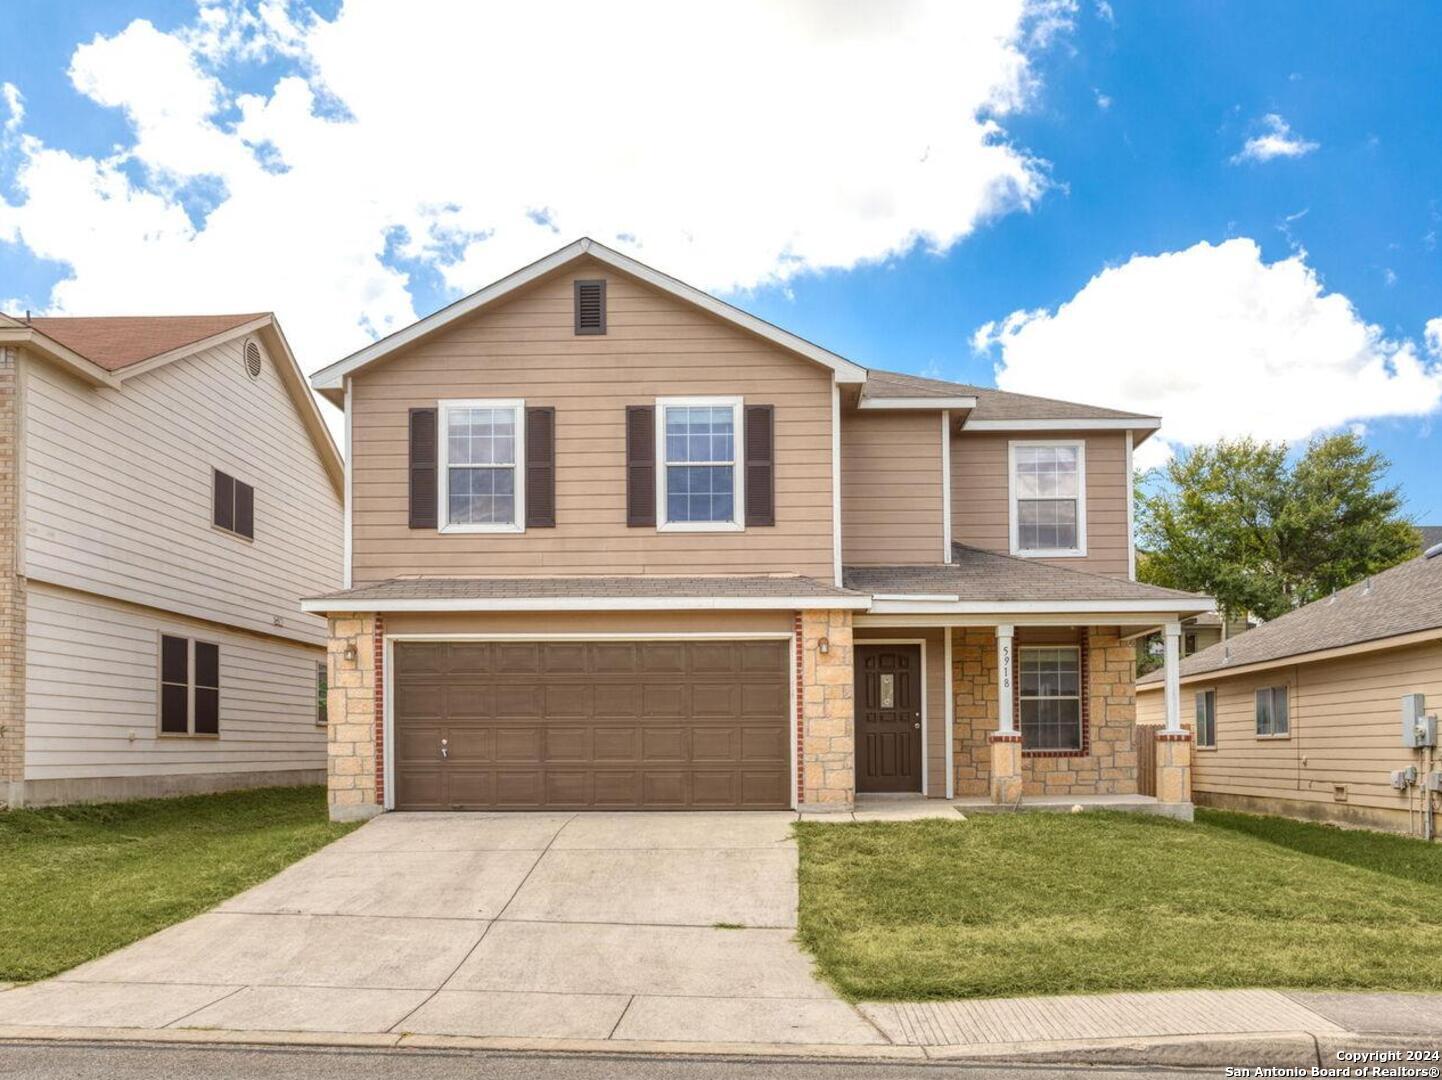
(1110, 765)
(352, 770)
(12, 591)
(828, 736)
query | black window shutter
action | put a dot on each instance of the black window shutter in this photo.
(640, 466)
(590, 299)
(541, 468)
(223, 504)
(760, 465)
(423, 468)
(245, 510)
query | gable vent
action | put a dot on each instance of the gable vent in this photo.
(590, 307)
(252, 359)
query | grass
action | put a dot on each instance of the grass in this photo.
(1019, 904)
(77, 882)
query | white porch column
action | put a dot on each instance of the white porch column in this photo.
(1006, 721)
(1172, 633)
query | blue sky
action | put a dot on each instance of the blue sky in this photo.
(1124, 138)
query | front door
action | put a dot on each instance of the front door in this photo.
(888, 718)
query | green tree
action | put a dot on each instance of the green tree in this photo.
(1236, 520)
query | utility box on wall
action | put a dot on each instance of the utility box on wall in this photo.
(1418, 729)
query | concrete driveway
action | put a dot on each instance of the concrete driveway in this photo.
(640, 927)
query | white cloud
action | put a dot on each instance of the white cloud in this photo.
(1277, 140)
(1104, 101)
(14, 104)
(1218, 343)
(730, 151)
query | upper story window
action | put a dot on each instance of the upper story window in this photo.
(1048, 497)
(482, 449)
(698, 443)
(233, 505)
(1050, 697)
(1272, 716)
(1207, 719)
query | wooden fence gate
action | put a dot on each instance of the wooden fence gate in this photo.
(1144, 741)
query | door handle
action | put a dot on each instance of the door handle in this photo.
(917, 725)
(445, 753)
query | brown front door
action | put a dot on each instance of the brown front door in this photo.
(604, 725)
(888, 718)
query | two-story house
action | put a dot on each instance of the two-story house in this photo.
(613, 543)
(168, 493)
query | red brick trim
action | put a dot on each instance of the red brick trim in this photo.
(1084, 664)
(1004, 736)
(379, 660)
(800, 717)
(1174, 736)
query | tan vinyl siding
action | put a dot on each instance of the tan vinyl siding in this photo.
(891, 499)
(654, 346)
(980, 510)
(91, 678)
(1345, 719)
(580, 623)
(935, 659)
(118, 490)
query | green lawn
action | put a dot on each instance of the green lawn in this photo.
(79, 881)
(1013, 904)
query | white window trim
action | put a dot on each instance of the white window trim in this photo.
(1197, 727)
(443, 451)
(1273, 688)
(1022, 699)
(1079, 445)
(738, 467)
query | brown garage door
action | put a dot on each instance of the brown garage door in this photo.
(656, 725)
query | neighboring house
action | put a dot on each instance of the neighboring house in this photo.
(1302, 715)
(168, 493)
(613, 543)
(1198, 633)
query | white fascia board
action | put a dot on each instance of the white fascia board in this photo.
(959, 402)
(922, 605)
(596, 603)
(331, 378)
(939, 598)
(29, 338)
(1140, 423)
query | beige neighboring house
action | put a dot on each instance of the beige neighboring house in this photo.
(1303, 715)
(168, 493)
(613, 543)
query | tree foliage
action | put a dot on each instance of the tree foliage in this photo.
(1240, 522)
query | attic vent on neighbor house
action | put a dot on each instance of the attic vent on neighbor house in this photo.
(252, 359)
(590, 307)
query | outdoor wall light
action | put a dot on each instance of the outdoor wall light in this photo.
(823, 646)
(350, 653)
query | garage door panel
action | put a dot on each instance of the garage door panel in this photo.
(663, 744)
(577, 724)
(515, 701)
(565, 742)
(570, 699)
(469, 700)
(517, 658)
(616, 744)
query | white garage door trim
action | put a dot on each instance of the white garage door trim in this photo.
(388, 683)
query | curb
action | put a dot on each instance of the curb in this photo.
(1273, 1049)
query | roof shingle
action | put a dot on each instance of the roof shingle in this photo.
(983, 576)
(991, 404)
(1403, 600)
(115, 342)
(758, 586)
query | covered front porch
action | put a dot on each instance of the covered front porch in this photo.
(999, 681)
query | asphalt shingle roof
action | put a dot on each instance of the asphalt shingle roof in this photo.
(991, 404)
(115, 342)
(976, 575)
(1403, 600)
(620, 586)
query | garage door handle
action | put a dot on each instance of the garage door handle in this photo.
(444, 752)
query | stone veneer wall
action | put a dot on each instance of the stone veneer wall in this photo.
(12, 591)
(828, 730)
(354, 782)
(1110, 765)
